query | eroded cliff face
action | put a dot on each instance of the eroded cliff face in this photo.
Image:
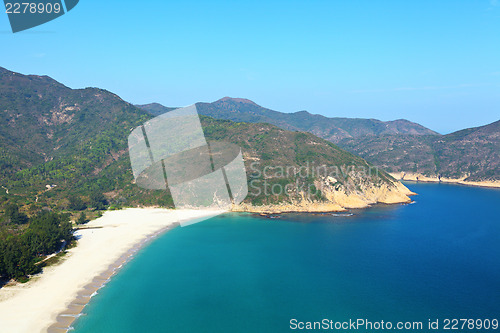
(366, 194)
(356, 191)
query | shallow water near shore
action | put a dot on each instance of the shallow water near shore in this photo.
(434, 259)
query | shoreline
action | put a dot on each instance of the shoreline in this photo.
(288, 208)
(52, 300)
(416, 177)
(65, 319)
(337, 202)
(314, 208)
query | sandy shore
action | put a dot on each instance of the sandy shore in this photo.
(461, 181)
(51, 300)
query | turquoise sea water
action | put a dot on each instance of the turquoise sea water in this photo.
(437, 258)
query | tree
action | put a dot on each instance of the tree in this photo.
(76, 203)
(82, 219)
(16, 217)
(66, 230)
(98, 201)
(3, 271)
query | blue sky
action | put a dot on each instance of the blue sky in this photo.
(433, 62)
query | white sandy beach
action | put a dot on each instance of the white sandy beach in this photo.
(34, 306)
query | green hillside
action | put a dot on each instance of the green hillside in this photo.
(77, 141)
(64, 156)
(473, 153)
(331, 129)
(395, 146)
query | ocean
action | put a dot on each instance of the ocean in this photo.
(435, 259)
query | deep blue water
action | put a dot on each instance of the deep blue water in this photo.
(437, 258)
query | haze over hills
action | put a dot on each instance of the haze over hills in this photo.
(77, 139)
(396, 146)
(331, 129)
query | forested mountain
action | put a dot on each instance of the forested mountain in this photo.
(76, 139)
(331, 129)
(395, 146)
(53, 135)
(473, 153)
(65, 150)
(55, 143)
(42, 119)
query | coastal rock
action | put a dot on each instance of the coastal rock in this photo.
(358, 192)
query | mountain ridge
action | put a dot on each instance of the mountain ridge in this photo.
(398, 146)
(329, 128)
(469, 155)
(77, 140)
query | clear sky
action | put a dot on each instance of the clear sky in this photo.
(433, 62)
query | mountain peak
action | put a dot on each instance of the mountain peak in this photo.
(154, 109)
(303, 112)
(236, 100)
